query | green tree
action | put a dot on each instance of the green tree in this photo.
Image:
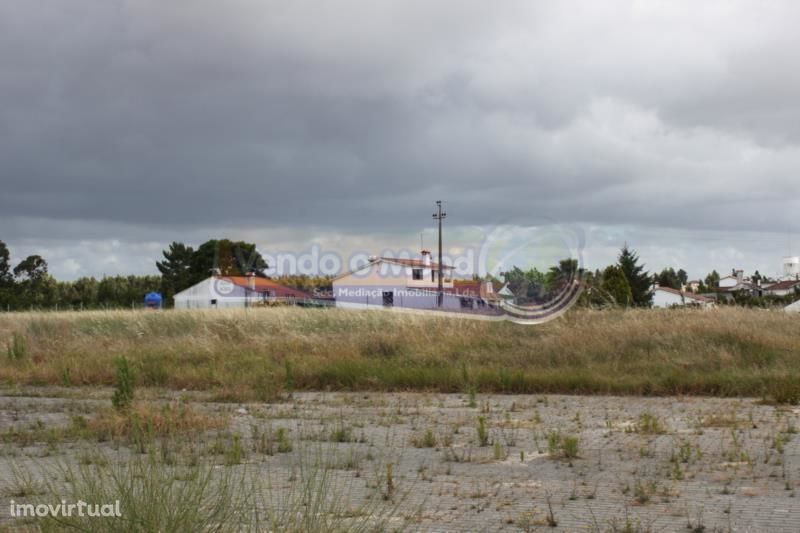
(527, 285)
(82, 293)
(566, 272)
(6, 278)
(8, 296)
(230, 258)
(637, 277)
(32, 268)
(615, 284)
(125, 291)
(669, 278)
(34, 286)
(712, 280)
(175, 270)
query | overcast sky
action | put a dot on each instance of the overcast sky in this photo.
(124, 125)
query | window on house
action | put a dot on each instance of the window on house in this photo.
(416, 274)
(388, 298)
(466, 303)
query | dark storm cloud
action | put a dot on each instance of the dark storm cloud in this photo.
(146, 118)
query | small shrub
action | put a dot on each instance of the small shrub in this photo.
(562, 446)
(650, 424)
(389, 483)
(342, 433)
(483, 434)
(472, 401)
(18, 347)
(427, 440)
(569, 447)
(234, 455)
(643, 492)
(284, 444)
(123, 393)
(553, 441)
(499, 452)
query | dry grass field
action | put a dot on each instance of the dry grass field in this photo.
(288, 419)
(261, 354)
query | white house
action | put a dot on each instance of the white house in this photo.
(232, 292)
(409, 283)
(667, 297)
(729, 282)
(782, 288)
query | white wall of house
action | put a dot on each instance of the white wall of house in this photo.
(366, 287)
(214, 293)
(666, 299)
(779, 292)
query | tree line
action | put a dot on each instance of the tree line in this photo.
(28, 284)
(624, 283)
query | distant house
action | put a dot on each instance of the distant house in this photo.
(667, 297)
(730, 282)
(505, 293)
(409, 283)
(781, 288)
(736, 283)
(232, 292)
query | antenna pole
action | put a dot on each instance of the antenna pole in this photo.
(440, 216)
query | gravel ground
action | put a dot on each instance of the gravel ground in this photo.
(563, 463)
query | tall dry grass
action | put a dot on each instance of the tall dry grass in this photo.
(258, 354)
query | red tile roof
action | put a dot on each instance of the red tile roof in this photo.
(783, 285)
(265, 285)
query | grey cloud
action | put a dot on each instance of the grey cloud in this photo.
(147, 121)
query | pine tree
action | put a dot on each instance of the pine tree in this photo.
(637, 276)
(175, 269)
(616, 285)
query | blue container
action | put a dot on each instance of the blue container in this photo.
(153, 300)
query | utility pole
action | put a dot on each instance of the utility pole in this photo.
(440, 216)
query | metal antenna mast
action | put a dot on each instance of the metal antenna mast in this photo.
(440, 216)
